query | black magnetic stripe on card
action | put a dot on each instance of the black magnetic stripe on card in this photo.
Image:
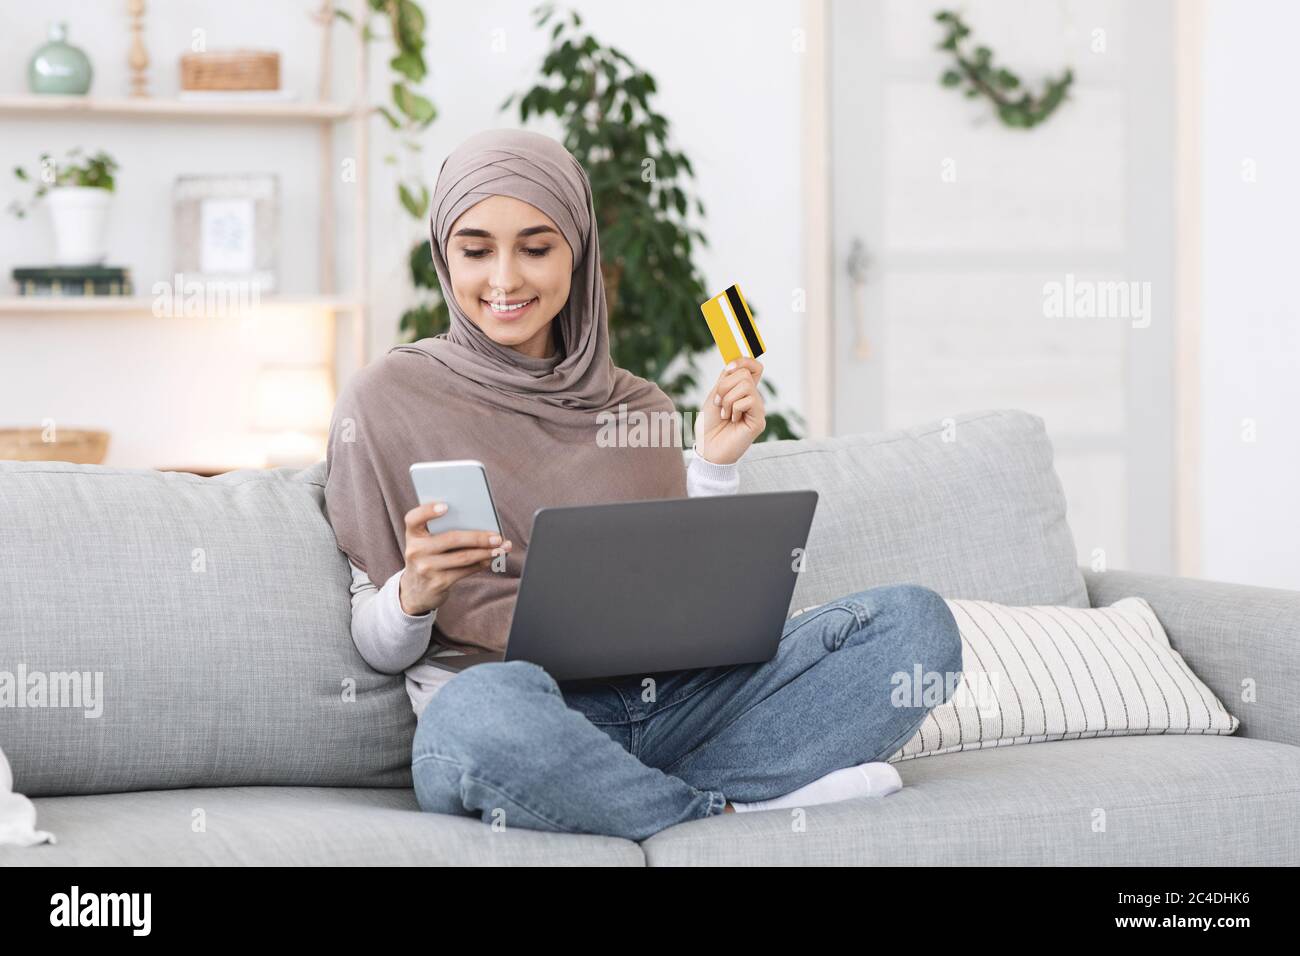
(742, 319)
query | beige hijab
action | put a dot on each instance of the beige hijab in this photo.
(533, 422)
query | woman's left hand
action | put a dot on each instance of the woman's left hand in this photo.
(733, 413)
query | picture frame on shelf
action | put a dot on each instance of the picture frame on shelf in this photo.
(226, 229)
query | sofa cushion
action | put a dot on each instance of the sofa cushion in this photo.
(208, 623)
(1114, 801)
(209, 618)
(969, 507)
(291, 826)
(1033, 674)
(1124, 801)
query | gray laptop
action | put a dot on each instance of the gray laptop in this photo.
(641, 587)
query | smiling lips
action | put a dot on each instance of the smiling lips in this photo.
(510, 310)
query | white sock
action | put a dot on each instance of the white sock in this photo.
(865, 780)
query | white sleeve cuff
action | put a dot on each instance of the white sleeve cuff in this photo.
(705, 477)
(388, 638)
(394, 585)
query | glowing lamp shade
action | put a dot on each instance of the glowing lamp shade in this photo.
(293, 405)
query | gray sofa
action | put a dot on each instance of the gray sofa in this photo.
(221, 714)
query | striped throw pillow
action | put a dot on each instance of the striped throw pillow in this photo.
(1040, 673)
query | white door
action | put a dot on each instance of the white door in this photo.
(966, 252)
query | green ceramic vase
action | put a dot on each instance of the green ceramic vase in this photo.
(59, 67)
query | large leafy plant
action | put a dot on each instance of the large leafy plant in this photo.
(409, 112)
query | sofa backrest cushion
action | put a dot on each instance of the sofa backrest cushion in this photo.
(163, 630)
(969, 507)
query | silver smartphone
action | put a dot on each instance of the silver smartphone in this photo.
(463, 486)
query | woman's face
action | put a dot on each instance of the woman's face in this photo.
(504, 253)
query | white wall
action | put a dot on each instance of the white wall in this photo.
(1250, 344)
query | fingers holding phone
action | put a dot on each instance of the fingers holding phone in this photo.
(435, 562)
(455, 531)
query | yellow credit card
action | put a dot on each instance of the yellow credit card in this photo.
(727, 315)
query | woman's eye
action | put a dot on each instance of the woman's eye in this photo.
(480, 253)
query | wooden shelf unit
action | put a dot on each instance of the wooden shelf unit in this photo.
(131, 304)
(322, 113)
(176, 109)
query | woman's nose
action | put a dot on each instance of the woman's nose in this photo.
(505, 275)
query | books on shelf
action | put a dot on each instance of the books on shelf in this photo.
(72, 280)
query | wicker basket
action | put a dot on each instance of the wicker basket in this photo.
(231, 70)
(81, 446)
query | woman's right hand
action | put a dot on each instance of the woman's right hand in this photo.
(434, 562)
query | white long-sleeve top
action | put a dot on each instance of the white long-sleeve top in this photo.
(392, 641)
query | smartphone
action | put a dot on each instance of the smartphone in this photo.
(463, 487)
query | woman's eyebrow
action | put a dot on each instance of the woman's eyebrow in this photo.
(484, 234)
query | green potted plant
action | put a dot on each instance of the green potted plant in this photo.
(78, 192)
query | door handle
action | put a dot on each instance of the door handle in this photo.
(856, 264)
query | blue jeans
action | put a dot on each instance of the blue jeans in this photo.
(630, 756)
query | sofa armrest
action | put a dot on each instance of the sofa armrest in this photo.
(1228, 634)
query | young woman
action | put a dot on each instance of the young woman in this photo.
(518, 382)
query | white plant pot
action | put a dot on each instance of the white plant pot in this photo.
(80, 218)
